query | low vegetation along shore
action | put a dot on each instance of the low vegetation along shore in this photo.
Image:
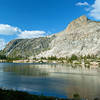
(18, 95)
(82, 61)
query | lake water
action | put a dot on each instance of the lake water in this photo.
(50, 79)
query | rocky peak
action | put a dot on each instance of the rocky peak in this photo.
(83, 20)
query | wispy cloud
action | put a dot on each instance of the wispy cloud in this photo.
(6, 29)
(95, 10)
(2, 44)
(92, 10)
(82, 4)
(31, 34)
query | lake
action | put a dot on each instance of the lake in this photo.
(50, 79)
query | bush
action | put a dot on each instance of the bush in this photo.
(44, 58)
(52, 58)
(76, 97)
(74, 57)
(3, 57)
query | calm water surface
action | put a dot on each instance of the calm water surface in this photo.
(49, 79)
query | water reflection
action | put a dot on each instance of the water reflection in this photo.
(26, 70)
(46, 69)
(50, 79)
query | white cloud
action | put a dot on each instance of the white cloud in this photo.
(6, 29)
(95, 10)
(82, 4)
(2, 44)
(31, 34)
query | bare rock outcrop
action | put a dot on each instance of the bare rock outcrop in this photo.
(81, 37)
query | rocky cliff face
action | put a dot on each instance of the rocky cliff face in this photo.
(27, 47)
(81, 37)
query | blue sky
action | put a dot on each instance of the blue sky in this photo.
(35, 18)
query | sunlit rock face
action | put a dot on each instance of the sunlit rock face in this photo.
(81, 37)
(77, 23)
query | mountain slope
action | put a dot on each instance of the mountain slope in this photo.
(27, 47)
(81, 37)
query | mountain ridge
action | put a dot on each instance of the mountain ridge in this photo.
(81, 37)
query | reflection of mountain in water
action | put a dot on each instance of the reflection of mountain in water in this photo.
(30, 70)
(46, 69)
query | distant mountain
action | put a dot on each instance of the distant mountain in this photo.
(27, 47)
(81, 37)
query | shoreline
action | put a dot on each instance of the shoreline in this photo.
(89, 61)
(90, 64)
(9, 94)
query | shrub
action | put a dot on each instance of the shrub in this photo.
(74, 57)
(52, 58)
(2, 57)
